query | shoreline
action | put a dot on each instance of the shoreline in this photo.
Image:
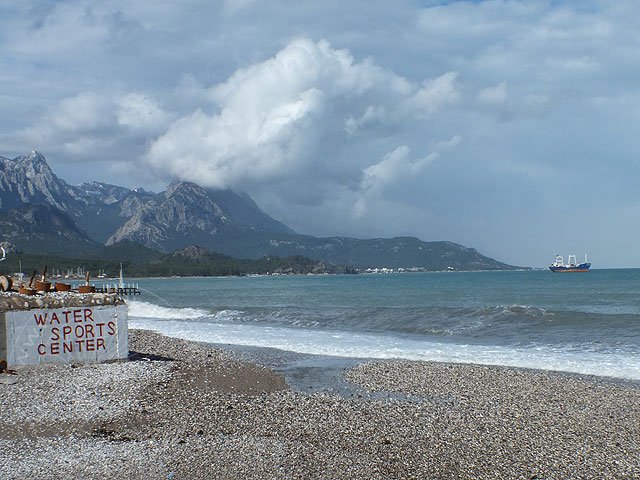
(317, 373)
(181, 409)
(252, 351)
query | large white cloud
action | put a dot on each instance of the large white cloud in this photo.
(269, 121)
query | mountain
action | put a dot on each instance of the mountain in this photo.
(28, 179)
(129, 252)
(83, 218)
(106, 193)
(186, 214)
(244, 210)
(398, 252)
(109, 213)
(103, 216)
(42, 228)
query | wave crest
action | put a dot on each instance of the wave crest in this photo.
(150, 310)
(501, 311)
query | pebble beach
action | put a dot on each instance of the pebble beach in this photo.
(185, 410)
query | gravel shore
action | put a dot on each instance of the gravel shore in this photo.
(183, 410)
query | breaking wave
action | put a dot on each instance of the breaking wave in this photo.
(139, 309)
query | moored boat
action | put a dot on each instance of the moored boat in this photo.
(571, 266)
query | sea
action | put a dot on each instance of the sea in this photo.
(585, 323)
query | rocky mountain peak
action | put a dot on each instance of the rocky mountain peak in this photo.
(34, 156)
(184, 188)
(29, 179)
(185, 209)
(34, 164)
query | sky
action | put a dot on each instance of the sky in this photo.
(506, 126)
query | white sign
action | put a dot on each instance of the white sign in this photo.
(67, 335)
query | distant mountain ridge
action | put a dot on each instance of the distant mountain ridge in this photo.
(43, 228)
(109, 213)
(85, 217)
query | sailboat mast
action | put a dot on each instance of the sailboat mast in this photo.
(121, 278)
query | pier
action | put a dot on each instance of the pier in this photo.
(129, 289)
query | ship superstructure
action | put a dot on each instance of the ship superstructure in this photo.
(571, 266)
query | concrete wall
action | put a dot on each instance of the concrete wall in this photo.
(87, 334)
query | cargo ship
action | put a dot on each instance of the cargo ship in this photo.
(571, 266)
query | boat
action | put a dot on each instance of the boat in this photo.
(571, 266)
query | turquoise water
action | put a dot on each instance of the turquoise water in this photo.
(584, 322)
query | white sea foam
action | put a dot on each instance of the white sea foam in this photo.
(226, 314)
(139, 309)
(384, 345)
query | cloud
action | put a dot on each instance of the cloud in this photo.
(62, 27)
(394, 165)
(86, 112)
(497, 100)
(446, 145)
(394, 174)
(141, 114)
(373, 115)
(268, 121)
(92, 125)
(494, 95)
(233, 6)
(83, 115)
(436, 94)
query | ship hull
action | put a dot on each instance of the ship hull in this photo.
(583, 267)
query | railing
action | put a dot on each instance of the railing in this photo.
(129, 289)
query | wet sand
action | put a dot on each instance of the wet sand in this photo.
(184, 410)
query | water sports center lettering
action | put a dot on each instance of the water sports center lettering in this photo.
(73, 331)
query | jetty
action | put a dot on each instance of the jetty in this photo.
(129, 289)
(120, 288)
